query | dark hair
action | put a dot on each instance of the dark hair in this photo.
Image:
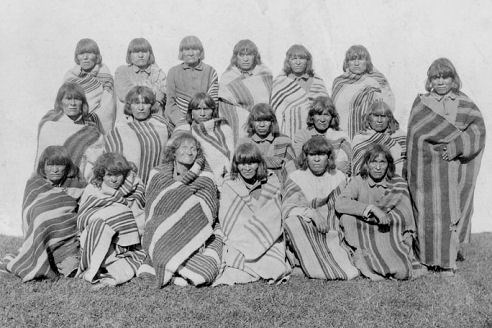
(140, 44)
(319, 105)
(170, 150)
(393, 124)
(248, 47)
(90, 46)
(109, 163)
(358, 52)
(301, 51)
(317, 145)
(248, 153)
(445, 68)
(132, 96)
(262, 112)
(195, 102)
(192, 42)
(72, 90)
(371, 154)
(57, 155)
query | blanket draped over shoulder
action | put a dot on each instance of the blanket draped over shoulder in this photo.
(110, 237)
(50, 228)
(320, 255)
(395, 143)
(253, 242)
(442, 191)
(239, 93)
(140, 142)
(353, 94)
(179, 237)
(291, 102)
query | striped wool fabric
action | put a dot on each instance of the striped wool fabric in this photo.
(141, 142)
(179, 237)
(352, 95)
(109, 236)
(291, 102)
(396, 143)
(253, 240)
(442, 191)
(49, 226)
(379, 250)
(98, 86)
(238, 94)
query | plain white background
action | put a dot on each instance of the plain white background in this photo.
(403, 37)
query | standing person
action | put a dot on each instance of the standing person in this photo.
(188, 78)
(355, 90)
(294, 89)
(446, 138)
(97, 82)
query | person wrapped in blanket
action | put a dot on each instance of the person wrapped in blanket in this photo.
(377, 220)
(250, 217)
(110, 222)
(49, 219)
(310, 222)
(182, 238)
(323, 120)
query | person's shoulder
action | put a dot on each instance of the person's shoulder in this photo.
(282, 138)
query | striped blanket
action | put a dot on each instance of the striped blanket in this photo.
(98, 88)
(50, 227)
(238, 94)
(352, 95)
(379, 251)
(320, 255)
(140, 142)
(442, 191)
(253, 241)
(179, 238)
(396, 143)
(109, 239)
(291, 102)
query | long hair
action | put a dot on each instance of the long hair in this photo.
(317, 145)
(195, 102)
(393, 124)
(301, 51)
(170, 150)
(140, 44)
(371, 154)
(262, 112)
(57, 155)
(247, 47)
(445, 68)
(90, 46)
(192, 42)
(110, 163)
(358, 52)
(132, 96)
(247, 153)
(69, 89)
(320, 105)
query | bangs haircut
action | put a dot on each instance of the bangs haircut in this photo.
(320, 105)
(262, 112)
(57, 155)
(170, 150)
(195, 103)
(191, 42)
(443, 67)
(90, 46)
(371, 154)
(110, 163)
(247, 47)
(393, 124)
(133, 96)
(71, 90)
(137, 45)
(300, 51)
(358, 52)
(317, 145)
(248, 153)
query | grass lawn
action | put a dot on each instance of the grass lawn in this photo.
(464, 300)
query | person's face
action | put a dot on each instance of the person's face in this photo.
(140, 58)
(87, 60)
(186, 153)
(245, 62)
(442, 84)
(378, 167)
(298, 64)
(54, 172)
(72, 107)
(113, 181)
(317, 163)
(191, 56)
(357, 65)
(248, 170)
(322, 121)
(262, 128)
(378, 120)
(202, 113)
(141, 110)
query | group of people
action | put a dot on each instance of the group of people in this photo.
(189, 179)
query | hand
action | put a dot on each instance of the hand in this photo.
(320, 222)
(408, 239)
(321, 201)
(445, 154)
(380, 215)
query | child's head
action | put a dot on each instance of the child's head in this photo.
(56, 165)
(377, 163)
(110, 169)
(323, 115)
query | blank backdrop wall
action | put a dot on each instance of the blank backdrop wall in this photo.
(403, 37)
